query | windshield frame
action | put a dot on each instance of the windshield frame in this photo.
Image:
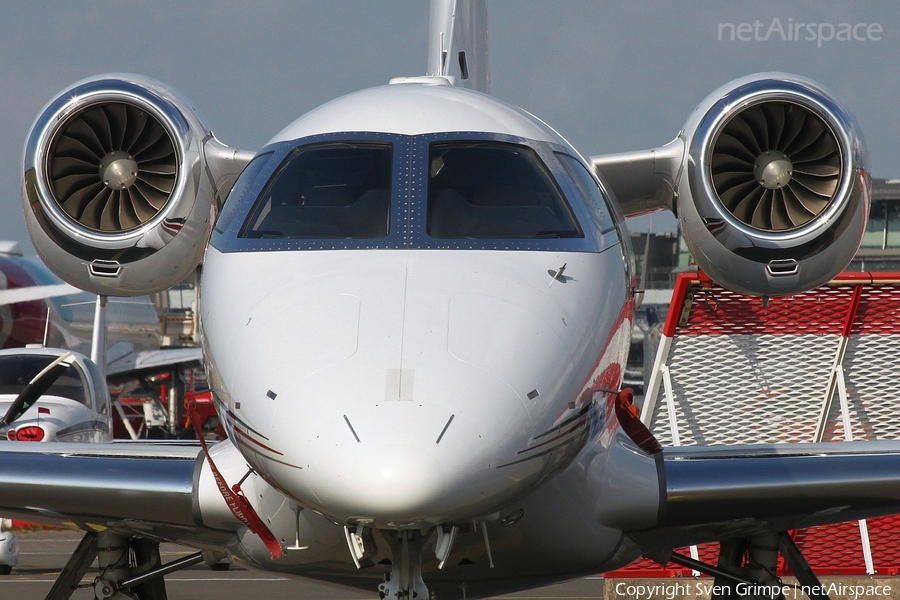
(409, 200)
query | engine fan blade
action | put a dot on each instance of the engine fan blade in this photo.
(776, 121)
(104, 151)
(797, 159)
(117, 116)
(758, 125)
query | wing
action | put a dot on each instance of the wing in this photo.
(745, 497)
(707, 493)
(135, 488)
(153, 360)
(126, 497)
(717, 489)
(38, 292)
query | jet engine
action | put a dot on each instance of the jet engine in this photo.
(122, 184)
(768, 179)
(772, 187)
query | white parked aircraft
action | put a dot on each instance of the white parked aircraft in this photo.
(416, 308)
(49, 395)
(52, 395)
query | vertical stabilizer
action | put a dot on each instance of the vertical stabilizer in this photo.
(457, 44)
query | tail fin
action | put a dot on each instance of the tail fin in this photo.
(457, 45)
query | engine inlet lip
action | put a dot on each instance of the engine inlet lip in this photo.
(746, 96)
(54, 119)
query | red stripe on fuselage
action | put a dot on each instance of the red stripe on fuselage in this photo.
(257, 442)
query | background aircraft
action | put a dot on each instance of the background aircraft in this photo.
(38, 308)
(49, 395)
(69, 405)
(9, 548)
(423, 369)
(31, 295)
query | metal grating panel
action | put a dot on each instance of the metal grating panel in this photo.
(715, 310)
(745, 389)
(883, 533)
(879, 310)
(872, 371)
(832, 549)
(745, 371)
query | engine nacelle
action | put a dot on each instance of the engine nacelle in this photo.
(773, 194)
(121, 183)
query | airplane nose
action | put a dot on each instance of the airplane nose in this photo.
(392, 464)
(407, 398)
(398, 480)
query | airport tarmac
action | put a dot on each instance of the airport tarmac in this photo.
(43, 553)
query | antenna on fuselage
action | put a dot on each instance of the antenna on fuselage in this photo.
(457, 43)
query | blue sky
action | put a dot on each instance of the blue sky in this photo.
(609, 76)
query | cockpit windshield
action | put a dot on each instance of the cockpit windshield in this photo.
(483, 190)
(331, 190)
(17, 371)
(453, 190)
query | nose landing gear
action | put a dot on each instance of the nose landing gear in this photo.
(405, 581)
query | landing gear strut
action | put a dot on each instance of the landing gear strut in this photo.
(130, 569)
(405, 581)
(747, 567)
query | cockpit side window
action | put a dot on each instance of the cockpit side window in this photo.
(486, 189)
(336, 190)
(592, 193)
(243, 183)
(17, 371)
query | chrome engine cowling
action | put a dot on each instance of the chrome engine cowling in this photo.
(121, 183)
(773, 193)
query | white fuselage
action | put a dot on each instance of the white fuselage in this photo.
(401, 378)
(416, 309)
